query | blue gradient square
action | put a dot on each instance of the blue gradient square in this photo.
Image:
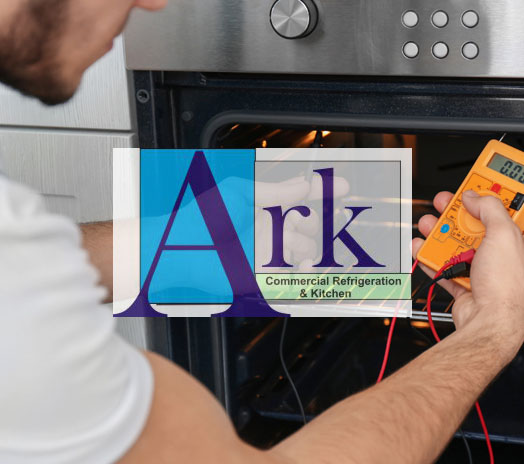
(192, 276)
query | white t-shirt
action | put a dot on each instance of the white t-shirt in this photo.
(71, 390)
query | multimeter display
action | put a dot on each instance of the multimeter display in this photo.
(507, 167)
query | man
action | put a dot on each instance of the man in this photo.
(74, 392)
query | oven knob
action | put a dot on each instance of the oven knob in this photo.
(293, 19)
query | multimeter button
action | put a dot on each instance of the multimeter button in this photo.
(410, 50)
(507, 197)
(439, 19)
(470, 18)
(410, 19)
(477, 183)
(470, 50)
(453, 212)
(517, 202)
(441, 234)
(440, 50)
(496, 188)
(460, 236)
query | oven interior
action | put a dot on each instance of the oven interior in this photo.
(332, 358)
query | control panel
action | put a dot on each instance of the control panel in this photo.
(470, 38)
(498, 172)
(439, 19)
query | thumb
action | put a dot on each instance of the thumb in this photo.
(489, 210)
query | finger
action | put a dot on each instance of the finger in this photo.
(301, 246)
(489, 210)
(454, 289)
(340, 187)
(442, 200)
(294, 180)
(416, 244)
(272, 194)
(428, 221)
(426, 224)
(306, 225)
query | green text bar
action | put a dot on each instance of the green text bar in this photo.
(335, 286)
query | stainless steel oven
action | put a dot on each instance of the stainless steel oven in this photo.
(447, 38)
(441, 78)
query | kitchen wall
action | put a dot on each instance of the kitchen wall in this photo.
(65, 152)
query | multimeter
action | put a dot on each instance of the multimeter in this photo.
(499, 172)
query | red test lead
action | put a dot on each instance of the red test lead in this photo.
(465, 257)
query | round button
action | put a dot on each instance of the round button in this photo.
(293, 19)
(445, 228)
(410, 18)
(470, 18)
(439, 19)
(440, 50)
(410, 50)
(470, 50)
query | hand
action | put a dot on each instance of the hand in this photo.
(496, 302)
(300, 246)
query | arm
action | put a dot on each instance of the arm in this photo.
(98, 242)
(93, 398)
(409, 417)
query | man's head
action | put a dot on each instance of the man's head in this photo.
(46, 45)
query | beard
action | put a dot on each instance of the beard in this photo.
(28, 50)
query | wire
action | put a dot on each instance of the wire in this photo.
(288, 375)
(388, 347)
(386, 356)
(437, 338)
(466, 445)
(430, 295)
(457, 270)
(502, 138)
(486, 434)
(390, 337)
(460, 431)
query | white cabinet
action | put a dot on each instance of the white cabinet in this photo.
(73, 170)
(102, 102)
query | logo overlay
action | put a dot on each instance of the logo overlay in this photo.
(262, 233)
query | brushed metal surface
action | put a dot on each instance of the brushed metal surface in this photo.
(353, 37)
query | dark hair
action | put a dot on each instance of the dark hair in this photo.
(28, 49)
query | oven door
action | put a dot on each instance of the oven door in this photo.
(446, 123)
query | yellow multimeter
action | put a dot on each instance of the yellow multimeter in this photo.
(499, 172)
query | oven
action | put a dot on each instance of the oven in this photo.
(441, 78)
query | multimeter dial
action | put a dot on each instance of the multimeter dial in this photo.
(470, 224)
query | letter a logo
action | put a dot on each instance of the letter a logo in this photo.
(247, 297)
